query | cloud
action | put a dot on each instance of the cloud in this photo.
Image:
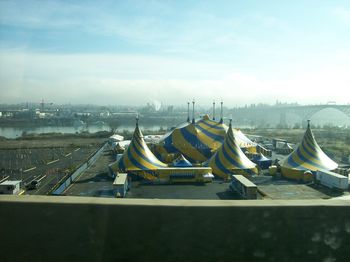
(160, 25)
(126, 79)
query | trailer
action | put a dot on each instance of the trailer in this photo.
(120, 185)
(244, 187)
(10, 187)
(332, 180)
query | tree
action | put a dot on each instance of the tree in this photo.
(113, 124)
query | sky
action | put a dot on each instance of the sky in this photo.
(134, 52)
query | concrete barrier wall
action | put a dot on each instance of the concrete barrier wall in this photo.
(64, 185)
(46, 228)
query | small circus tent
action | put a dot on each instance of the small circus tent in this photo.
(137, 157)
(308, 156)
(262, 161)
(230, 159)
(181, 161)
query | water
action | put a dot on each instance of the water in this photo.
(14, 132)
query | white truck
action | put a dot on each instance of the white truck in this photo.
(332, 180)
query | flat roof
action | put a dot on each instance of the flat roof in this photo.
(11, 182)
(120, 179)
(244, 180)
(331, 173)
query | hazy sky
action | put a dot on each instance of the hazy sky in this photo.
(133, 52)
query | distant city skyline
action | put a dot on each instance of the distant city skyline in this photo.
(134, 52)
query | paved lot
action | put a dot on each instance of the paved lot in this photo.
(95, 181)
(51, 164)
(288, 189)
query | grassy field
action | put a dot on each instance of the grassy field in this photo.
(53, 140)
(334, 141)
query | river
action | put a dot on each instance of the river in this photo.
(15, 132)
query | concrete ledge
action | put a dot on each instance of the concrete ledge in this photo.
(60, 228)
(171, 202)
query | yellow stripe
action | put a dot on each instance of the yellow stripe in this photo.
(184, 147)
(140, 160)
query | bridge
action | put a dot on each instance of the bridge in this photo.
(304, 112)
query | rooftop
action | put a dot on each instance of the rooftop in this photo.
(11, 182)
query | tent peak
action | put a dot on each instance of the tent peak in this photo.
(137, 120)
(221, 113)
(213, 109)
(188, 111)
(193, 120)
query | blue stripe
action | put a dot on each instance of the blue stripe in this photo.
(143, 156)
(294, 164)
(311, 146)
(194, 142)
(220, 166)
(309, 161)
(308, 152)
(137, 164)
(231, 160)
(213, 126)
(211, 135)
(168, 144)
(233, 150)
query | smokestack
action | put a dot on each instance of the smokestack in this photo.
(193, 112)
(221, 113)
(214, 110)
(188, 112)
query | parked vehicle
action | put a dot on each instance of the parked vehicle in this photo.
(34, 184)
(332, 180)
(244, 187)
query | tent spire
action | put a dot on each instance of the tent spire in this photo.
(230, 122)
(137, 120)
(188, 111)
(308, 123)
(193, 112)
(221, 114)
(214, 110)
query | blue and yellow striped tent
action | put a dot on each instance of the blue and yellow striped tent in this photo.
(211, 133)
(307, 156)
(230, 159)
(137, 156)
(185, 140)
(244, 142)
(199, 141)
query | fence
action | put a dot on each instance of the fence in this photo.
(67, 181)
